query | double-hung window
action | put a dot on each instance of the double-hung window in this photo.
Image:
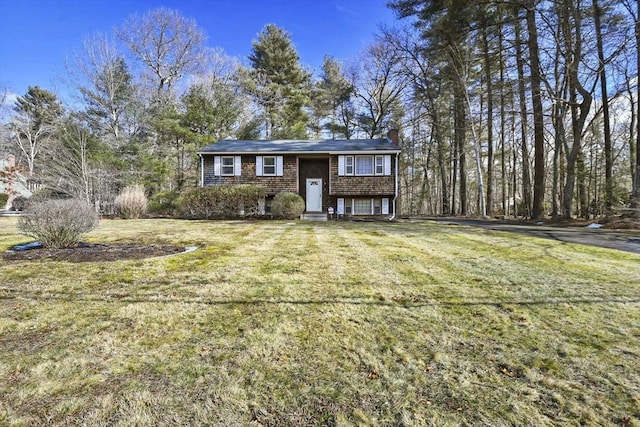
(268, 166)
(348, 165)
(379, 166)
(377, 206)
(226, 166)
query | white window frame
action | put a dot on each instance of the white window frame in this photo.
(278, 168)
(349, 165)
(359, 204)
(273, 172)
(348, 207)
(362, 158)
(378, 165)
(219, 166)
(376, 204)
(223, 166)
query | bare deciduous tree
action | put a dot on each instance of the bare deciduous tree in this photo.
(68, 162)
(378, 82)
(169, 45)
(102, 77)
(635, 194)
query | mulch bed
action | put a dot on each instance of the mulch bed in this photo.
(91, 252)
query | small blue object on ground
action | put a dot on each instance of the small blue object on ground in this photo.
(27, 246)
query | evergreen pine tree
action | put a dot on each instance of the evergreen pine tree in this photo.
(279, 84)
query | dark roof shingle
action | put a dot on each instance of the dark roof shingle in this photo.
(327, 146)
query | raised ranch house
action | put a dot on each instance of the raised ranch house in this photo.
(347, 177)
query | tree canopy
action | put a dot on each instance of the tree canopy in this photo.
(279, 84)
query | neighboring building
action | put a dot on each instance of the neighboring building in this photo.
(352, 177)
(12, 182)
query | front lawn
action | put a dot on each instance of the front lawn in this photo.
(308, 324)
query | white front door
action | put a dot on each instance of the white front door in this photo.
(314, 195)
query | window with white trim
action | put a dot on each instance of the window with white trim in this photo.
(377, 206)
(227, 165)
(379, 165)
(348, 165)
(269, 166)
(348, 207)
(364, 165)
(362, 206)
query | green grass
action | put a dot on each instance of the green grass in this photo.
(309, 324)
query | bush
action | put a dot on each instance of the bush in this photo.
(58, 223)
(224, 201)
(132, 202)
(163, 203)
(20, 203)
(3, 200)
(287, 206)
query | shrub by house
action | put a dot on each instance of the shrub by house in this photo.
(226, 201)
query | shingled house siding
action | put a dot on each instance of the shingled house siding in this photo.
(273, 184)
(361, 185)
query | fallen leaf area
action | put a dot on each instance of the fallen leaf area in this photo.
(91, 252)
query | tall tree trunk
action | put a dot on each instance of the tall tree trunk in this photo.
(454, 175)
(441, 148)
(538, 117)
(522, 99)
(581, 175)
(560, 140)
(460, 129)
(635, 196)
(487, 69)
(558, 114)
(579, 110)
(608, 150)
(514, 173)
(503, 168)
(425, 191)
(632, 129)
(479, 173)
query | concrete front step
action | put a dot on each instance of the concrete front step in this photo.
(313, 216)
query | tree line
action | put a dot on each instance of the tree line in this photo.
(523, 108)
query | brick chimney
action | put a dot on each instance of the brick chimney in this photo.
(394, 136)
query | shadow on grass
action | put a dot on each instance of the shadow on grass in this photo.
(411, 302)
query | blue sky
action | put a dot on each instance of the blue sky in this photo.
(36, 35)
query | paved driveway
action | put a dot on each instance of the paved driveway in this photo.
(628, 241)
